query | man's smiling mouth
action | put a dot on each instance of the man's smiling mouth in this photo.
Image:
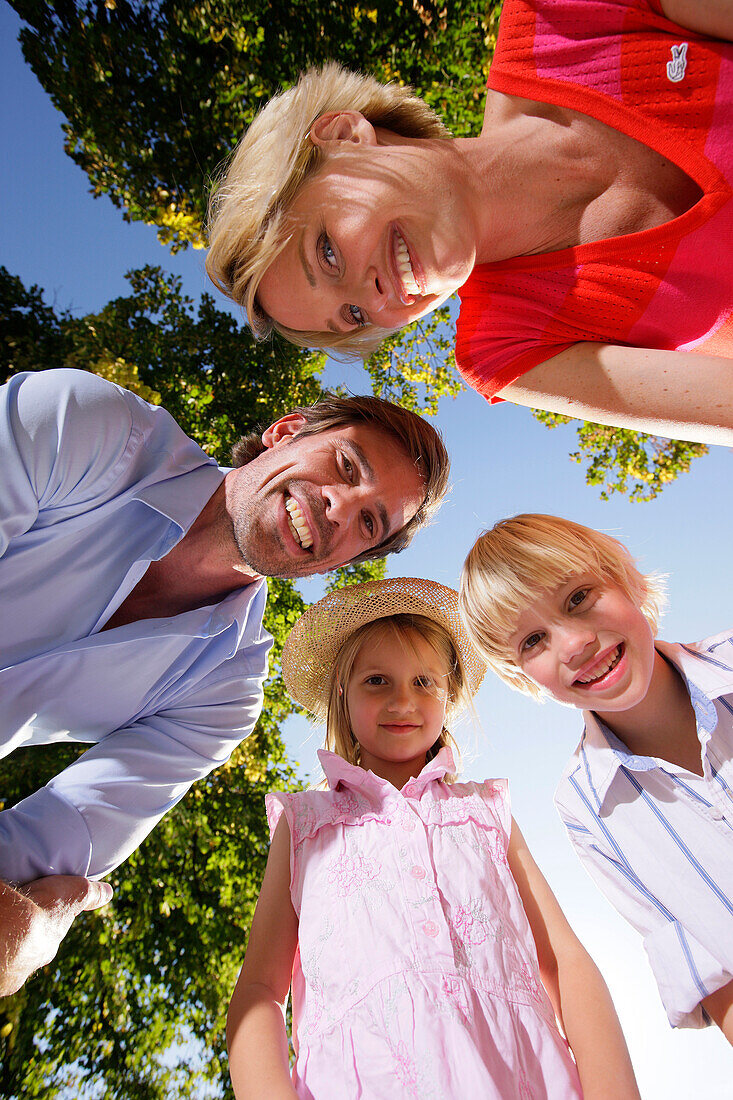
(298, 524)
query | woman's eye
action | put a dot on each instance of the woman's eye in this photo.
(578, 597)
(530, 642)
(326, 251)
(354, 316)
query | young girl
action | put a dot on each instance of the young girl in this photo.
(428, 957)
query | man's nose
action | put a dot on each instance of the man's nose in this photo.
(341, 504)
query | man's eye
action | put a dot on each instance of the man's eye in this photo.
(348, 469)
(369, 524)
(326, 252)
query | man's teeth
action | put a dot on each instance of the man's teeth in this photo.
(298, 524)
(601, 670)
(405, 267)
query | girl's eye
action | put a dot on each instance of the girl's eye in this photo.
(578, 597)
(354, 316)
(424, 682)
(532, 641)
(376, 680)
(326, 252)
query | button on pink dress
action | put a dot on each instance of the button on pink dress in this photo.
(416, 974)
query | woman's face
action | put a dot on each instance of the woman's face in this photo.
(379, 238)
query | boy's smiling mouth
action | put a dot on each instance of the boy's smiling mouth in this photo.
(601, 669)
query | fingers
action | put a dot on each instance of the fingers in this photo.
(98, 894)
(70, 894)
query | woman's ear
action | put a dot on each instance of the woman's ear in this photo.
(336, 127)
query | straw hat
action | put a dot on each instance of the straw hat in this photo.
(313, 643)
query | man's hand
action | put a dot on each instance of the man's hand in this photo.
(35, 918)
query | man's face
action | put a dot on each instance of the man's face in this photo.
(312, 503)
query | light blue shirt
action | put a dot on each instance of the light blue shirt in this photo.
(658, 839)
(95, 485)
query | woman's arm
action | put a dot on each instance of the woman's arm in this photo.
(574, 984)
(676, 394)
(719, 1007)
(256, 1036)
(713, 17)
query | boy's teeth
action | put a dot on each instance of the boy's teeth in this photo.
(298, 524)
(405, 267)
(601, 670)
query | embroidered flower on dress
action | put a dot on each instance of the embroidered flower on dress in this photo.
(346, 874)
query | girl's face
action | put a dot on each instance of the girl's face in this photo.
(588, 644)
(396, 699)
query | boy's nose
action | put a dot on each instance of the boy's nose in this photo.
(574, 643)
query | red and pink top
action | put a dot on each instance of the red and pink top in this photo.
(669, 287)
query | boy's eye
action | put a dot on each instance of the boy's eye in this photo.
(578, 597)
(530, 642)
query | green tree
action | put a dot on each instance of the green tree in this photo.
(135, 1003)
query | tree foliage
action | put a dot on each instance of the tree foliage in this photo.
(156, 93)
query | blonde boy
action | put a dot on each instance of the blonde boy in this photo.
(561, 610)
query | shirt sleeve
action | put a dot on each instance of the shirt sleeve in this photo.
(93, 815)
(43, 417)
(685, 970)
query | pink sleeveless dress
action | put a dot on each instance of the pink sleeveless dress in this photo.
(416, 973)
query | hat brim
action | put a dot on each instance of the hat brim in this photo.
(314, 642)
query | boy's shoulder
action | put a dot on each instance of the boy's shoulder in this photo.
(708, 664)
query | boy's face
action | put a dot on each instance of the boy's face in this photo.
(587, 644)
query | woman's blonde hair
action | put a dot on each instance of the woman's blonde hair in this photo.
(339, 736)
(510, 565)
(248, 208)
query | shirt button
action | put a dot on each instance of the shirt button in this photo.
(417, 872)
(716, 814)
(430, 928)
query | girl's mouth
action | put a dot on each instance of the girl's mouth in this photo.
(600, 671)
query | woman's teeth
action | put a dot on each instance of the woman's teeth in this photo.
(404, 266)
(298, 525)
(601, 670)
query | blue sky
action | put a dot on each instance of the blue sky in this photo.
(56, 235)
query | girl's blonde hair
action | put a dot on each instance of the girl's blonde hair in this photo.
(248, 225)
(511, 564)
(339, 736)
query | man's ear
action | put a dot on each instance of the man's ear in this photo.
(283, 429)
(336, 127)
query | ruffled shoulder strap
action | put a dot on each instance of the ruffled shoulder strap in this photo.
(309, 811)
(485, 803)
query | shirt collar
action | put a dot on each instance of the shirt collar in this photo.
(603, 753)
(337, 770)
(182, 497)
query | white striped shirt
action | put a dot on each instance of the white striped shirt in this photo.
(658, 839)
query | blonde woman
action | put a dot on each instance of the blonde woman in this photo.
(587, 228)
